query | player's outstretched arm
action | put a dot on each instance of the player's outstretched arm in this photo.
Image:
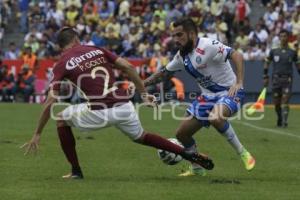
(266, 73)
(238, 61)
(32, 145)
(157, 77)
(266, 69)
(128, 68)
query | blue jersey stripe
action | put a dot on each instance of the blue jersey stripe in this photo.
(190, 68)
(229, 51)
(216, 88)
(196, 74)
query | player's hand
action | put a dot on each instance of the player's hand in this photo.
(131, 89)
(266, 81)
(33, 145)
(234, 89)
(149, 99)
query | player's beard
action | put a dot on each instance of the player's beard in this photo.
(187, 48)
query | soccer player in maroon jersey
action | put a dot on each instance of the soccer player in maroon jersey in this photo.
(91, 70)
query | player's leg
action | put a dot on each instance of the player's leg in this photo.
(277, 93)
(68, 145)
(198, 114)
(218, 119)
(285, 98)
(184, 134)
(277, 105)
(285, 109)
(225, 108)
(78, 116)
(158, 142)
(130, 124)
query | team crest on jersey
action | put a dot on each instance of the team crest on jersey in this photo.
(287, 90)
(198, 60)
(276, 58)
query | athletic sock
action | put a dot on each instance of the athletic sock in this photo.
(192, 148)
(159, 142)
(285, 113)
(228, 132)
(67, 142)
(278, 112)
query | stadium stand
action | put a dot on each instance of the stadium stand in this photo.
(138, 28)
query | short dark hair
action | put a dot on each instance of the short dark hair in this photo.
(28, 48)
(65, 36)
(187, 23)
(284, 31)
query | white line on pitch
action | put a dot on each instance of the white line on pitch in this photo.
(268, 129)
(284, 133)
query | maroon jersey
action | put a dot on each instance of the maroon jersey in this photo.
(90, 69)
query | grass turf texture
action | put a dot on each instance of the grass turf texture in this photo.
(116, 168)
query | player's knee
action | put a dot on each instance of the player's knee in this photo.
(140, 139)
(276, 96)
(215, 119)
(285, 99)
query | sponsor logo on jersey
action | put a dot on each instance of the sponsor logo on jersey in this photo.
(221, 50)
(200, 51)
(76, 61)
(276, 58)
(205, 81)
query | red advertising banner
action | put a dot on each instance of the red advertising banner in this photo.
(41, 81)
(43, 65)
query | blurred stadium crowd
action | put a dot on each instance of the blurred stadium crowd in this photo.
(139, 28)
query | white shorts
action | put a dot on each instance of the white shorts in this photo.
(122, 117)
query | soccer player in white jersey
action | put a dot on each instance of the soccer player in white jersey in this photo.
(207, 61)
(91, 69)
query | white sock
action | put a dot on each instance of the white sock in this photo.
(232, 138)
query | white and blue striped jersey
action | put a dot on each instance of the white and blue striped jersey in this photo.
(208, 64)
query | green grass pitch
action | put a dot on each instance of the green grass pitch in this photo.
(115, 168)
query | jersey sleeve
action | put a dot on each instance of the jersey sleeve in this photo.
(109, 55)
(296, 58)
(218, 51)
(176, 63)
(269, 58)
(58, 74)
